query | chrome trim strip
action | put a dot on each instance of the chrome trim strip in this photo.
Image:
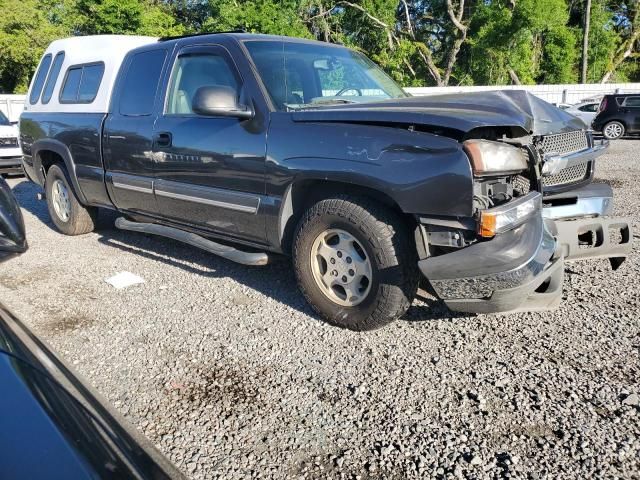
(583, 156)
(134, 188)
(584, 207)
(206, 201)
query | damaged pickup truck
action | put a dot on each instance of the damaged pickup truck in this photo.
(252, 145)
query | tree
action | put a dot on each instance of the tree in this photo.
(626, 19)
(257, 16)
(585, 41)
(526, 41)
(25, 32)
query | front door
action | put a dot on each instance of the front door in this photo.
(128, 133)
(210, 171)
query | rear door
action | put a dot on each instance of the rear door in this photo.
(210, 171)
(632, 107)
(128, 132)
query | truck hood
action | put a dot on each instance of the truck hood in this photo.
(523, 112)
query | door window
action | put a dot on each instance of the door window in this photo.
(195, 70)
(140, 84)
(591, 107)
(632, 102)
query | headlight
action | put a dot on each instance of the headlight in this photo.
(510, 215)
(490, 158)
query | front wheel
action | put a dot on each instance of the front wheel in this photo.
(613, 130)
(355, 262)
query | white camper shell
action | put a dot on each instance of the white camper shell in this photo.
(76, 75)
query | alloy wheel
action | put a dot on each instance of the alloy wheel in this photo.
(341, 267)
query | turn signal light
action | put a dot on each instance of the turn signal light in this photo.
(510, 215)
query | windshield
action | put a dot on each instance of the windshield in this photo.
(302, 75)
(3, 119)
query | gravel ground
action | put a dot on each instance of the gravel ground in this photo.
(230, 374)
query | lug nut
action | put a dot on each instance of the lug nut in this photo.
(349, 260)
(344, 278)
(333, 260)
(351, 272)
(339, 254)
(334, 273)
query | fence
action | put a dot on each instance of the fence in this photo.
(569, 93)
(12, 105)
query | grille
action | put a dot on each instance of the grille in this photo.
(564, 143)
(522, 184)
(573, 174)
(9, 142)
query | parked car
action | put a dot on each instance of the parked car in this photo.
(10, 152)
(52, 424)
(618, 115)
(289, 146)
(585, 111)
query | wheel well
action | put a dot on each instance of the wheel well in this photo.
(624, 124)
(304, 193)
(48, 158)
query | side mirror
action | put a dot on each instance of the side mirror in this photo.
(12, 235)
(219, 101)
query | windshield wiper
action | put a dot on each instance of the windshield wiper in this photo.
(321, 103)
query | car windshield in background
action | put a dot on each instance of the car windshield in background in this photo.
(303, 75)
(4, 120)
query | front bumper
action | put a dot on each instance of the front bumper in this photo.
(523, 269)
(593, 200)
(11, 164)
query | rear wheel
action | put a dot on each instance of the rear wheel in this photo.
(355, 262)
(66, 211)
(613, 130)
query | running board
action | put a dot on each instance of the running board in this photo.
(230, 253)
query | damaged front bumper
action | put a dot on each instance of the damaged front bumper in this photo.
(523, 269)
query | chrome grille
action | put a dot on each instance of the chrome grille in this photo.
(522, 184)
(573, 174)
(8, 142)
(564, 143)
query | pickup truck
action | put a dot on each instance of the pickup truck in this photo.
(249, 146)
(10, 153)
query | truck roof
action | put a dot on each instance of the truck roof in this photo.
(110, 50)
(107, 49)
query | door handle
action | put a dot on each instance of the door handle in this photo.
(163, 139)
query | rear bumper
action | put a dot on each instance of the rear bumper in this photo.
(523, 269)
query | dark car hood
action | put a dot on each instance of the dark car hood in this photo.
(518, 109)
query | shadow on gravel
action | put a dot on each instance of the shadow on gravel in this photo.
(275, 280)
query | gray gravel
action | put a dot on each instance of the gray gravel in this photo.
(230, 374)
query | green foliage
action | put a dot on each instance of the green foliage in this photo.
(533, 41)
(25, 33)
(603, 40)
(256, 16)
(415, 41)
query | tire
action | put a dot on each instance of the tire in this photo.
(378, 236)
(613, 130)
(74, 218)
